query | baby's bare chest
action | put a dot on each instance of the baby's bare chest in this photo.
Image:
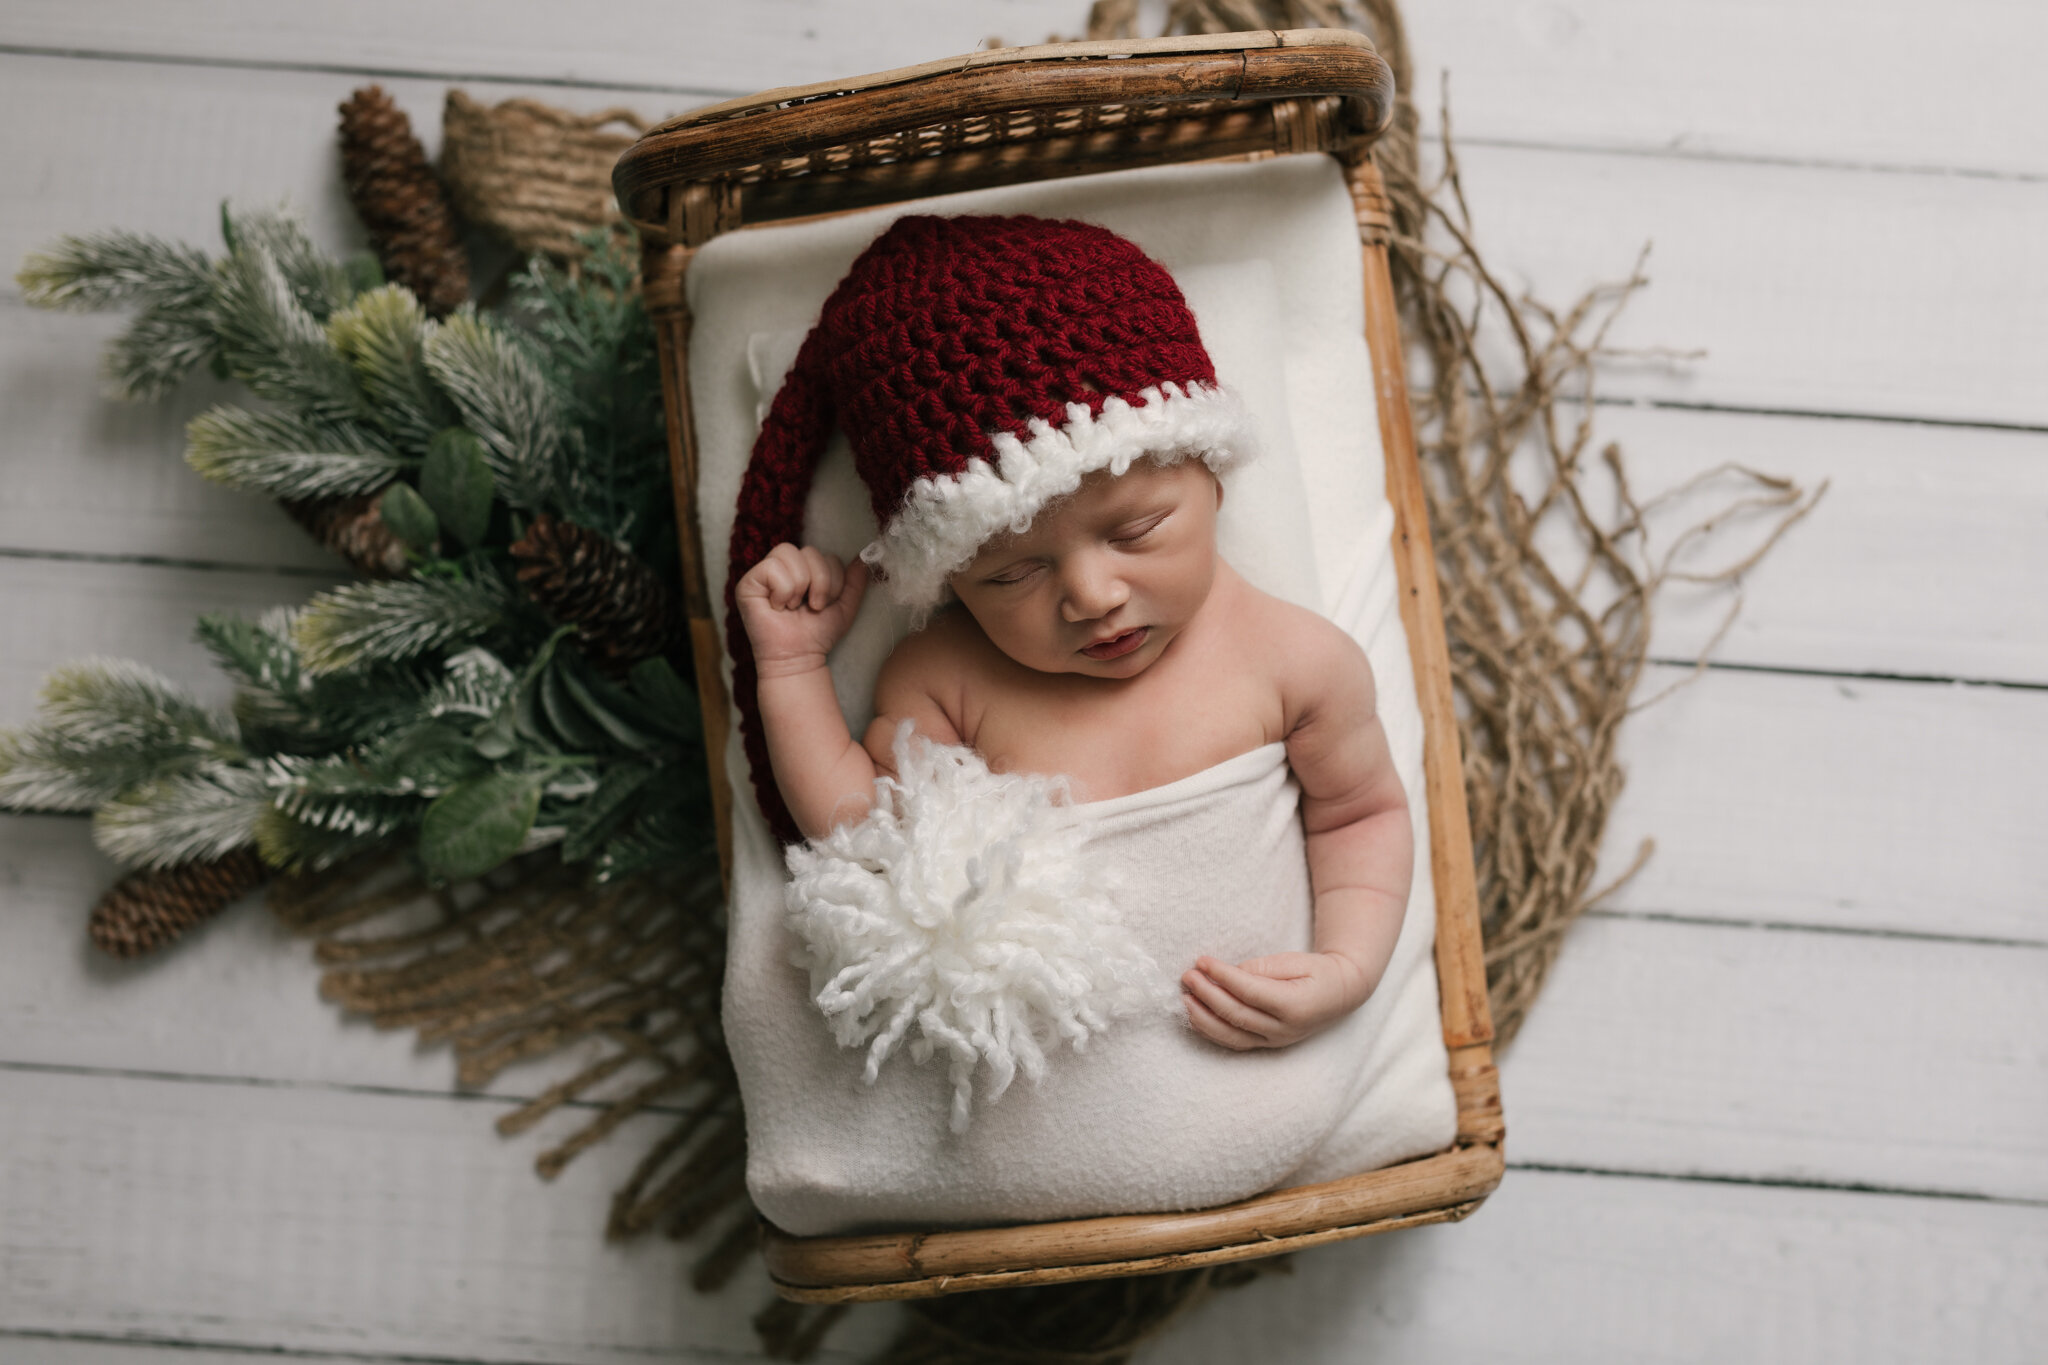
(1111, 741)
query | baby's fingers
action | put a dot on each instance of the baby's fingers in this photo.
(827, 577)
(1260, 992)
(1229, 1007)
(1207, 1024)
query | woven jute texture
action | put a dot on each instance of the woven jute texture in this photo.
(533, 174)
(1548, 645)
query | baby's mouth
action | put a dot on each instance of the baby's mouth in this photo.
(1118, 645)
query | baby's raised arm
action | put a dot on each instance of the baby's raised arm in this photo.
(1361, 858)
(796, 604)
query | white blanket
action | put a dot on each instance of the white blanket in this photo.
(1269, 259)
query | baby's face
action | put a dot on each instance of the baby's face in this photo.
(1104, 579)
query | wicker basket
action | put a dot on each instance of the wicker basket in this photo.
(1037, 113)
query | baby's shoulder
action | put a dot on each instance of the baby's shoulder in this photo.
(948, 648)
(1309, 658)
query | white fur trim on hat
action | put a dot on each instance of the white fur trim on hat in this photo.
(943, 522)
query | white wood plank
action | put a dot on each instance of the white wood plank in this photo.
(1841, 803)
(87, 473)
(1838, 80)
(1834, 291)
(1911, 563)
(157, 148)
(27, 1350)
(58, 611)
(230, 1215)
(656, 47)
(1831, 291)
(1787, 1055)
(1577, 1269)
(1872, 582)
(1665, 1047)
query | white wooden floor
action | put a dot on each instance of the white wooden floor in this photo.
(1786, 1100)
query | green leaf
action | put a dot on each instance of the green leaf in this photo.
(671, 700)
(479, 824)
(364, 271)
(456, 482)
(577, 731)
(603, 810)
(409, 517)
(607, 710)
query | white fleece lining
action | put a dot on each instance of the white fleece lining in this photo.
(943, 522)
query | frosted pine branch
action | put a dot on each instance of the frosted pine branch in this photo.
(105, 725)
(106, 269)
(286, 456)
(504, 400)
(317, 284)
(394, 620)
(383, 334)
(276, 346)
(205, 814)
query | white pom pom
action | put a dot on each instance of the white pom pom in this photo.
(962, 906)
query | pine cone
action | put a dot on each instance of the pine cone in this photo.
(146, 910)
(353, 529)
(401, 201)
(622, 611)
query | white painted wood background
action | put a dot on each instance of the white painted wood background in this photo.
(1785, 1099)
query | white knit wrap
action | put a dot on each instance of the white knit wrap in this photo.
(944, 521)
(962, 906)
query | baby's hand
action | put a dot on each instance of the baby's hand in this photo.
(796, 604)
(1271, 1001)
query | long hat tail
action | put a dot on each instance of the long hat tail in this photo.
(771, 511)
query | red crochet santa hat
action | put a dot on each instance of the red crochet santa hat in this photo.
(980, 366)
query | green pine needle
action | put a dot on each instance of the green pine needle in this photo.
(159, 349)
(504, 400)
(384, 334)
(395, 620)
(104, 726)
(106, 269)
(319, 838)
(204, 814)
(286, 456)
(277, 346)
(317, 284)
(477, 684)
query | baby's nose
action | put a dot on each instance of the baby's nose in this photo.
(1093, 590)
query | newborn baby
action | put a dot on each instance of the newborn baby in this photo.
(1041, 433)
(1115, 796)
(1108, 642)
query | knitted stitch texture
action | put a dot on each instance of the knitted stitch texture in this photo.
(952, 354)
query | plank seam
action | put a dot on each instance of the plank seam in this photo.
(172, 562)
(1805, 927)
(1866, 675)
(1429, 130)
(708, 1354)
(508, 1101)
(1780, 1183)
(394, 73)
